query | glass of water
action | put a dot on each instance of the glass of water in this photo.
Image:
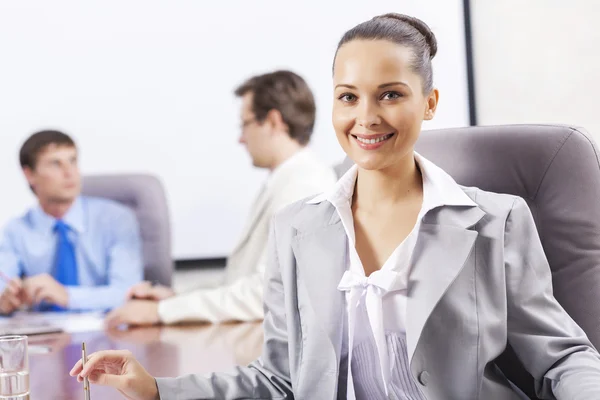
(14, 368)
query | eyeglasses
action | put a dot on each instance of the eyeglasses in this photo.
(247, 122)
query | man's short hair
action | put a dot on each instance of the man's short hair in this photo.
(287, 93)
(36, 143)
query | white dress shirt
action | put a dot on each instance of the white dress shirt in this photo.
(384, 292)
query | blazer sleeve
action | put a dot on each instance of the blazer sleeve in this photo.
(242, 300)
(266, 378)
(551, 346)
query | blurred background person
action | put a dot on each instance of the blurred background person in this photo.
(69, 252)
(277, 119)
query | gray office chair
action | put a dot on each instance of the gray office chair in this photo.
(145, 195)
(556, 169)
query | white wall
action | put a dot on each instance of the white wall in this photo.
(146, 86)
(537, 61)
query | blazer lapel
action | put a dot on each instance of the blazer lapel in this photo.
(443, 245)
(274, 184)
(258, 209)
(321, 262)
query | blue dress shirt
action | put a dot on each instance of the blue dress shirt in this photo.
(107, 244)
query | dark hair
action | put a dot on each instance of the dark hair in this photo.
(37, 142)
(287, 93)
(405, 31)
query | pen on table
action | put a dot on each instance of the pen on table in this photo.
(86, 382)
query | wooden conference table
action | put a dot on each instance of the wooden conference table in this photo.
(164, 351)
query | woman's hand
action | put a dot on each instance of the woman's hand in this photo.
(120, 370)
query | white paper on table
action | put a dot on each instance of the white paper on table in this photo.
(76, 322)
(64, 321)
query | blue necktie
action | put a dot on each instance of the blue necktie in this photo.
(65, 264)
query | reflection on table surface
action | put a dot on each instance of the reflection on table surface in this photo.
(164, 351)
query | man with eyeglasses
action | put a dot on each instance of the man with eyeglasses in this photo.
(277, 120)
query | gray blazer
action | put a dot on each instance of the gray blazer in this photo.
(479, 280)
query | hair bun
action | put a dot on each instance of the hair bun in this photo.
(419, 25)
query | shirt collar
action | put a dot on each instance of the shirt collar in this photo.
(287, 165)
(342, 191)
(439, 188)
(74, 217)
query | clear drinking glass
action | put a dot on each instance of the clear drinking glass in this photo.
(14, 368)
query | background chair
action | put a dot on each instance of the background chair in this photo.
(556, 170)
(145, 195)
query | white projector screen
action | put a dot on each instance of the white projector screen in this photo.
(147, 86)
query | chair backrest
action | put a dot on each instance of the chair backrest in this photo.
(145, 195)
(556, 170)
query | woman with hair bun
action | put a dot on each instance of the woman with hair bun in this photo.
(398, 283)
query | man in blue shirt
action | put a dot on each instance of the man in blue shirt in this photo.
(69, 252)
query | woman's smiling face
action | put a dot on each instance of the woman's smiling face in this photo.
(379, 104)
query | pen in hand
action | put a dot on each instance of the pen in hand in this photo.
(14, 297)
(86, 382)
